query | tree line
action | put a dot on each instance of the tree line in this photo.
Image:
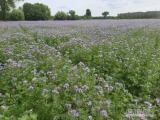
(140, 15)
(37, 11)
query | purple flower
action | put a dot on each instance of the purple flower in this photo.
(45, 91)
(31, 87)
(106, 85)
(66, 85)
(79, 90)
(89, 103)
(74, 113)
(127, 116)
(55, 91)
(85, 87)
(148, 104)
(110, 88)
(68, 106)
(119, 84)
(99, 88)
(103, 113)
(108, 102)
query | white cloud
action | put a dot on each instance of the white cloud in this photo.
(98, 6)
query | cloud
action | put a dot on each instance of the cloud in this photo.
(62, 7)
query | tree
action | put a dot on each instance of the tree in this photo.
(72, 14)
(36, 11)
(105, 13)
(6, 5)
(88, 14)
(60, 15)
(17, 15)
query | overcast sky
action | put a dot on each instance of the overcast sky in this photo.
(98, 6)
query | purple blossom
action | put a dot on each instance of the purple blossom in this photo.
(89, 103)
(45, 91)
(66, 85)
(74, 113)
(55, 91)
(79, 90)
(109, 87)
(85, 87)
(127, 116)
(31, 87)
(99, 88)
(68, 106)
(148, 104)
(119, 84)
(104, 113)
(108, 102)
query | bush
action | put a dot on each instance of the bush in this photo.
(36, 11)
(60, 15)
(17, 15)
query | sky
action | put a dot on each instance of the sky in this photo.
(98, 6)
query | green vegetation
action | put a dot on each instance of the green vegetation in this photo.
(105, 13)
(6, 6)
(17, 15)
(60, 15)
(45, 79)
(88, 14)
(139, 15)
(36, 11)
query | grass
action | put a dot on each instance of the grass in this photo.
(44, 79)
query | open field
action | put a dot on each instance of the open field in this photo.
(80, 70)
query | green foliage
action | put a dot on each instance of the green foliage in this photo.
(107, 17)
(36, 11)
(72, 14)
(47, 77)
(139, 15)
(60, 15)
(88, 14)
(105, 13)
(6, 5)
(17, 15)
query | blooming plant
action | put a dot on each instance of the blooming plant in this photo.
(86, 70)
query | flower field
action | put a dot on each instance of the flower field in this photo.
(80, 70)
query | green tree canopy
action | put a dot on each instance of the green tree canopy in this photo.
(6, 6)
(105, 13)
(60, 15)
(17, 15)
(72, 13)
(36, 11)
(88, 14)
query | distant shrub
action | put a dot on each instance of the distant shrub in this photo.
(36, 11)
(17, 15)
(60, 15)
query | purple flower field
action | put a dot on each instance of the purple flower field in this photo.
(80, 70)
